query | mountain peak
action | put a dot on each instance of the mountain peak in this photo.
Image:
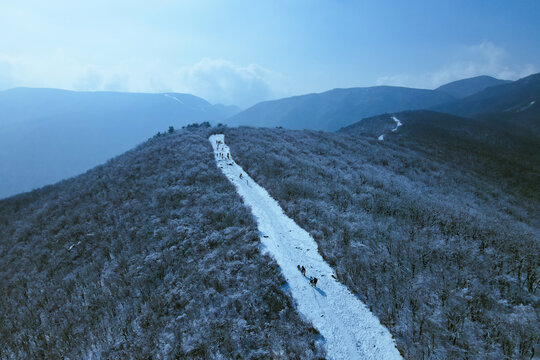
(466, 87)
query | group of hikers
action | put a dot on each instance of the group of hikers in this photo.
(222, 154)
(312, 279)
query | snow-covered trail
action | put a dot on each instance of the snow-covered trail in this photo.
(398, 124)
(350, 329)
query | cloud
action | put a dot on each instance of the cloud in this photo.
(481, 59)
(221, 81)
(216, 80)
(94, 79)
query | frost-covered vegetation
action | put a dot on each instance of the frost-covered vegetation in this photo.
(439, 237)
(152, 255)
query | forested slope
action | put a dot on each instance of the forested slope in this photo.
(501, 154)
(445, 253)
(151, 255)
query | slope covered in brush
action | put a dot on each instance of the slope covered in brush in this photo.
(152, 255)
(443, 251)
(430, 127)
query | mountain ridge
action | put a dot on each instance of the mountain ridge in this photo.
(469, 86)
(333, 109)
(499, 98)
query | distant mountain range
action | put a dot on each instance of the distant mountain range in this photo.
(47, 134)
(514, 97)
(334, 109)
(505, 114)
(467, 87)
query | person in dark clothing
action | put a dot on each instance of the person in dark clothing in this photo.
(303, 271)
(315, 281)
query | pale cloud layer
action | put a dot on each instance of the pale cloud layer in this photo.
(222, 81)
(216, 80)
(482, 59)
(241, 52)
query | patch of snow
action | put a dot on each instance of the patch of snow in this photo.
(350, 329)
(174, 98)
(380, 138)
(398, 123)
(73, 245)
(526, 107)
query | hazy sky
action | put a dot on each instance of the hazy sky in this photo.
(241, 52)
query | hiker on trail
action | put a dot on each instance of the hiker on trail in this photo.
(240, 175)
(299, 268)
(303, 271)
(315, 281)
(227, 155)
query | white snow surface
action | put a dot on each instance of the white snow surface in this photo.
(398, 123)
(526, 107)
(351, 331)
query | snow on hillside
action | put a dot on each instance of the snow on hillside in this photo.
(398, 124)
(350, 329)
(526, 107)
(174, 98)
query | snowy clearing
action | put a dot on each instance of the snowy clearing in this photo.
(351, 331)
(380, 138)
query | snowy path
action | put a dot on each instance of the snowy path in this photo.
(398, 124)
(350, 329)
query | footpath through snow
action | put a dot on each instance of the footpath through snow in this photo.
(351, 331)
(398, 124)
